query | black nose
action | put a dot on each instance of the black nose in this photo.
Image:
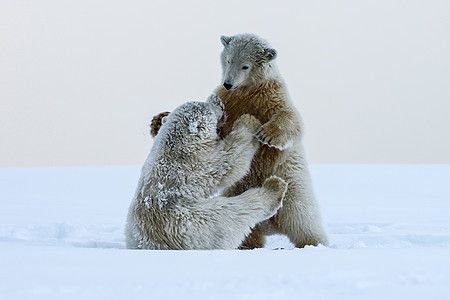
(227, 85)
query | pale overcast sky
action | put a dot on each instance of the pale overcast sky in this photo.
(80, 80)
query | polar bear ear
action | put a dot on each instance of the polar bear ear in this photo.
(163, 120)
(270, 53)
(225, 40)
(217, 105)
(215, 100)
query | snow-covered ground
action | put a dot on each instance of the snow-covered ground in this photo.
(61, 237)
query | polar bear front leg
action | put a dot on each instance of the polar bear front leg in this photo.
(240, 213)
(281, 130)
(235, 152)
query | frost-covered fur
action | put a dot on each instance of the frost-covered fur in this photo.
(253, 85)
(174, 206)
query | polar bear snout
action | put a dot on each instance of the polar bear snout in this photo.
(227, 85)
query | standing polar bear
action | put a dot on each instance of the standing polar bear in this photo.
(253, 85)
(174, 206)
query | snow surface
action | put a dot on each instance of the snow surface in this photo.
(61, 237)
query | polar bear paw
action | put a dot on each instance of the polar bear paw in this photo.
(276, 188)
(272, 136)
(156, 123)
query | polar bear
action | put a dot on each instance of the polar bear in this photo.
(176, 204)
(252, 85)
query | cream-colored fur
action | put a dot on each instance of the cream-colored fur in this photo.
(175, 206)
(253, 85)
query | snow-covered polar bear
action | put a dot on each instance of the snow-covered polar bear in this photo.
(253, 85)
(175, 206)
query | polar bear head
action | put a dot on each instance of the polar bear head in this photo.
(191, 124)
(246, 60)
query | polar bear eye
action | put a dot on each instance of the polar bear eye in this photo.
(244, 67)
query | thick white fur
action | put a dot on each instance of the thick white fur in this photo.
(254, 86)
(174, 206)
